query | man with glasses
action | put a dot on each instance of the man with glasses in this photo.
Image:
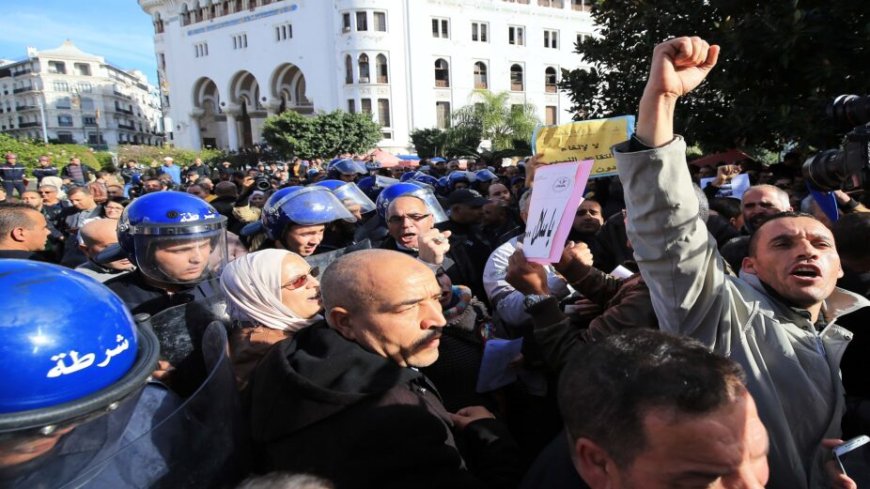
(52, 206)
(12, 175)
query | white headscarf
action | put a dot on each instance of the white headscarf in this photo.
(252, 286)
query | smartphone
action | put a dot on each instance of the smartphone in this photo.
(850, 452)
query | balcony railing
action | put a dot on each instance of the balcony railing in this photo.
(29, 124)
(124, 126)
(123, 111)
(22, 89)
(25, 107)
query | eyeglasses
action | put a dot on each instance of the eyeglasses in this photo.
(301, 280)
(413, 217)
(46, 192)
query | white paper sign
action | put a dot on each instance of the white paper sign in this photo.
(739, 184)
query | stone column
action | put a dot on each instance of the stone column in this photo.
(195, 115)
(232, 111)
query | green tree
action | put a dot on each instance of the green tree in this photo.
(780, 63)
(29, 151)
(497, 119)
(322, 135)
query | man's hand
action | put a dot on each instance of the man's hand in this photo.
(575, 262)
(725, 173)
(433, 245)
(678, 66)
(531, 165)
(470, 414)
(525, 276)
(838, 479)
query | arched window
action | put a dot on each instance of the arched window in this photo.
(363, 68)
(348, 69)
(442, 73)
(480, 80)
(197, 12)
(517, 78)
(381, 69)
(550, 79)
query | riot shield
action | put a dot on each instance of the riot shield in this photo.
(179, 331)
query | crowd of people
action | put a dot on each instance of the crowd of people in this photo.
(313, 324)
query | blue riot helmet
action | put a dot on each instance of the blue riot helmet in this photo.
(437, 159)
(460, 176)
(486, 175)
(426, 180)
(408, 175)
(303, 206)
(366, 184)
(345, 167)
(173, 237)
(66, 360)
(349, 194)
(413, 189)
(443, 184)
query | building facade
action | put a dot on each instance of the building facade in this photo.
(68, 95)
(226, 65)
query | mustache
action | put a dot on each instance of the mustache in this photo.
(430, 335)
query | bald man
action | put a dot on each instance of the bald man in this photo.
(352, 381)
(94, 237)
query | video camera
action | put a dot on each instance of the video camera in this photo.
(830, 169)
(263, 183)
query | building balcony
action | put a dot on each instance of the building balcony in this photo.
(29, 124)
(123, 111)
(22, 89)
(121, 95)
(21, 108)
(129, 128)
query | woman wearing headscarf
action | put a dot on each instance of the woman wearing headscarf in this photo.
(271, 294)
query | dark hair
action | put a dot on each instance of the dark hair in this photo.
(727, 207)
(607, 387)
(15, 215)
(753, 240)
(78, 190)
(852, 233)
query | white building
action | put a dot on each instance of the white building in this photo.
(80, 98)
(225, 65)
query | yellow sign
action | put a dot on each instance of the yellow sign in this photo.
(584, 140)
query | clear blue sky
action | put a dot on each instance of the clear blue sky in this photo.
(117, 30)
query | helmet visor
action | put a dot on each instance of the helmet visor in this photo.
(427, 195)
(183, 260)
(351, 195)
(312, 205)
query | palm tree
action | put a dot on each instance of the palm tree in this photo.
(497, 119)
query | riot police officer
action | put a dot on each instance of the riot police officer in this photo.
(177, 242)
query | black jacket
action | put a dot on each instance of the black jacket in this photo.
(322, 404)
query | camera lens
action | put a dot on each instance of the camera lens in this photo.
(826, 170)
(848, 111)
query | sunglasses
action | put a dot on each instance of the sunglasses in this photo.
(413, 217)
(301, 280)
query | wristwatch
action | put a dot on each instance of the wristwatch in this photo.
(532, 299)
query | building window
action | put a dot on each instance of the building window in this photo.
(550, 115)
(516, 35)
(348, 69)
(240, 41)
(479, 32)
(551, 39)
(550, 80)
(89, 120)
(64, 120)
(442, 73)
(582, 5)
(361, 21)
(82, 69)
(550, 3)
(345, 22)
(283, 32)
(85, 87)
(441, 28)
(516, 78)
(365, 105)
(363, 68)
(65, 137)
(60, 86)
(351, 106)
(200, 49)
(380, 20)
(57, 67)
(381, 69)
(580, 38)
(63, 103)
(86, 103)
(384, 112)
(442, 115)
(480, 80)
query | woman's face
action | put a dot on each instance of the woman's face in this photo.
(113, 210)
(300, 291)
(257, 200)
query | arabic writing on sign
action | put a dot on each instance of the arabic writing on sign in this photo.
(584, 140)
(66, 364)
